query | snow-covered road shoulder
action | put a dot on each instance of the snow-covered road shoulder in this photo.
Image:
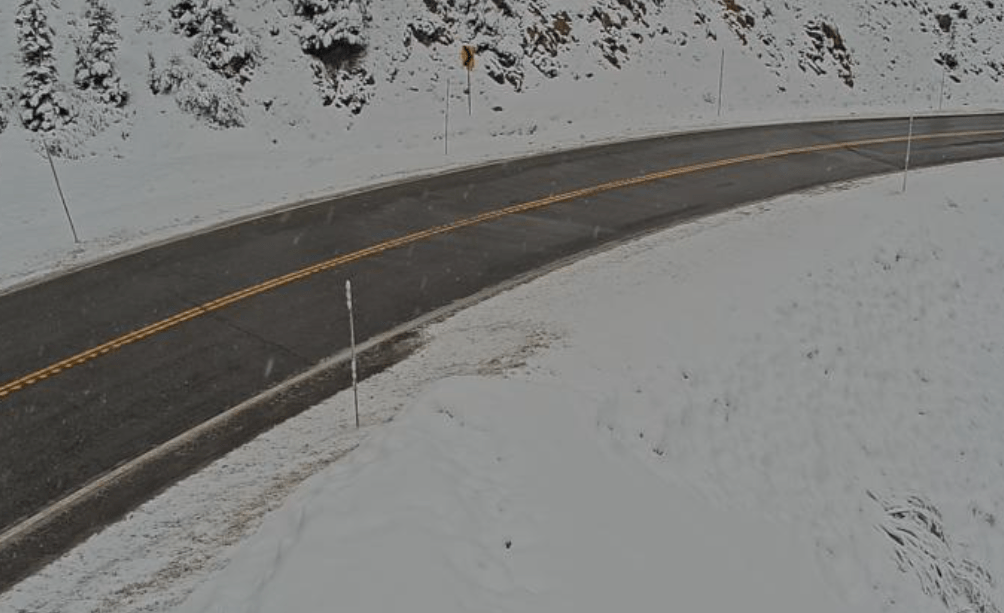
(793, 406)
(502, 495)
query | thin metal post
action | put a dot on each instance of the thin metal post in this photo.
(909, 148)
(721, 83)
(62, 198)
(470, 105)
(352, 338)
(941, 96)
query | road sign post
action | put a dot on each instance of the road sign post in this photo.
(469, 60)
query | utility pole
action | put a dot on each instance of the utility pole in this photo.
(59, 188)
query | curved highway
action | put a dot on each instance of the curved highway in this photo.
(101, 366)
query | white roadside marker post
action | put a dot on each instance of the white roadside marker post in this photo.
(721, 82)
(352, 338)
(59, 188)
(446, 128)
(909, 149)
(941, 96)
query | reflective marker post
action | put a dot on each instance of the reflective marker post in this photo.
(909, 148)
(446, 129)
(721, 82)
(352, 337)
(941, 96)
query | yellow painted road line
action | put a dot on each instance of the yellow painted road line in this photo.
(266, 286)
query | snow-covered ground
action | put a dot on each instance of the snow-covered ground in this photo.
(150, 171)
(795, 406)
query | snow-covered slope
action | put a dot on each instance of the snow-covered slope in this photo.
(795, 406)
(218, 108)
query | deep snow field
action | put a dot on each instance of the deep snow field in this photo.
(150, 171)
(793, 406)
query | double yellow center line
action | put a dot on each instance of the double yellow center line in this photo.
(225, 301)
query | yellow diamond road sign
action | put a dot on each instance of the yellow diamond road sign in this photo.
(467, 56)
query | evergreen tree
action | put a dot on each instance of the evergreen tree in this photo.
(95, 70)
(334, 32)
(219, 43)
(43, 105)
(331, 24)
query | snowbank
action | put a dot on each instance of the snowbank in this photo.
(495, 495)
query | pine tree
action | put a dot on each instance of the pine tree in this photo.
(43, 105)
(219, 43)
(95, 70)
(334, 33)
(331, 24)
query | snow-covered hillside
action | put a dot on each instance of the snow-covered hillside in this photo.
(261, 63)
(168, 115)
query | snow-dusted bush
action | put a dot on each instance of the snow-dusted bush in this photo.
(429, 31)
(168, 79)
(219, 42)
(922, 546)
(212, 98)
(95, 70)
(7, 98)
(350, 89)
(43, 104)
(198, 91)
(3, 113)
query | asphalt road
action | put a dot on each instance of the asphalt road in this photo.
(72, 410)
